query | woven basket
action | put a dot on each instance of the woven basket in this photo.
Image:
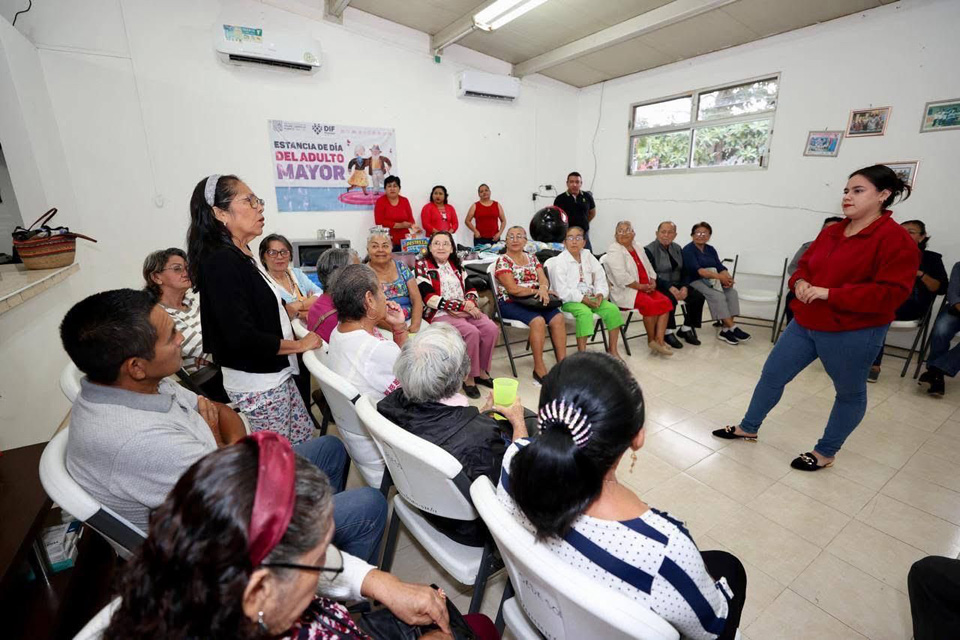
(48, 252)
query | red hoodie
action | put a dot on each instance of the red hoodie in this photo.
(869, 275)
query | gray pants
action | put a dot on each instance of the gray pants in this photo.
(723, 304)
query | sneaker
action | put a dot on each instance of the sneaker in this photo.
(741, 335)
(874, 374)
(728, 336)
(671, 340)
(937, 387)
(690, 337)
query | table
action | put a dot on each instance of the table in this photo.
(23, 506)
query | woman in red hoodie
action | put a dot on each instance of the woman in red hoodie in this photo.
(848, 286)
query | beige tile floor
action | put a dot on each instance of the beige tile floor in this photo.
(826, 553)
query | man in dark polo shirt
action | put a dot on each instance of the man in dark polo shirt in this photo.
(578, 205)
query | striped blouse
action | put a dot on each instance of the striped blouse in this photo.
(651, 559)
(188, 323)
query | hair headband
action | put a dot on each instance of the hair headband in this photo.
(275, 496)
(569, 416)
(210, 189)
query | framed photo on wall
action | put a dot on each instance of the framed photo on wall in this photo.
(824, 144)
(868, 122)
(906, 170)
(941, 115)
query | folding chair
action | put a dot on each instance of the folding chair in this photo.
(922, 328)
(768, 296)
(553, 597)
(506, 322)
(122, 535)
(598, 327)
(925, 343)
(429, 479)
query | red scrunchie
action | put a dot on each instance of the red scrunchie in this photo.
(275, 496)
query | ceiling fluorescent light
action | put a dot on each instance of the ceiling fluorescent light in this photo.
(503, 11)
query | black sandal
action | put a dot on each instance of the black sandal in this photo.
(729, 433)
(808, 462)
(487, 382)
(471, 391)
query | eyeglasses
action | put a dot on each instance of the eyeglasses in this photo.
(702, 233)
(625, 232)
(441, 245)
(281, 253)
(516, 237)
(575, 238)
(177, 269)
(333, 565)
(253, 201)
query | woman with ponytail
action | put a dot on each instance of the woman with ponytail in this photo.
(563, 486)
(848, 286)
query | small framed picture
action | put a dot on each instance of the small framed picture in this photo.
(825, 144)
(868, 122)
(906, 170)
(941, 115)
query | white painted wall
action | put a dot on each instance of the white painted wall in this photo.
(145, 110)
(9, 209)
(901, 55)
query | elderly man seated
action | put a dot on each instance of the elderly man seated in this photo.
(430, 368)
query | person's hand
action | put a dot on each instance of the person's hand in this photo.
(292, 309)
(496, 237)
(815, 293)
(417, 604)
(543, 294)
(800, 289)
(589, 301)
(309, 342)
(436, 634)
(648, 288)
(681, 294)
(395, 317)
(675, 293)
(414, 327)
(209, 411)
(598, 298)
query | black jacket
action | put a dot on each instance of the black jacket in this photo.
(239, 317)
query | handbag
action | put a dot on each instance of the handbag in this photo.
(534, 302)
(383, 625)
(46, 247)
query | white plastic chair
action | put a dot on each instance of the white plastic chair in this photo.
(122, 535)
(70, 381)
(299, 329)
(554, 597)
(428, 478)
(760, 295)
(341, 396)
(94, 629)
(549, 266)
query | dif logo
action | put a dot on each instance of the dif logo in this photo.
(323, 128)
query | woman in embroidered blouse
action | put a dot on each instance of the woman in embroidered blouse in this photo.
(438, 214)
(591, 414)
(633, 285)
(396, 278)
(295, 288)
(580, 281)
(442, 283)
(520, 275)
(204, 573)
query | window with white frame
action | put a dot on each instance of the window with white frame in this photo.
(727, 126)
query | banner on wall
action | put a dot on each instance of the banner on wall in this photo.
(330, 167)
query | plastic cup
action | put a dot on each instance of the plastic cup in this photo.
(505, 391)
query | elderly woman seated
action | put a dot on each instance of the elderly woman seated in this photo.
(428, 404)
(296, 290)
(398, 282)
(322, 317)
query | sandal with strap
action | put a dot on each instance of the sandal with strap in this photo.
(729, 433)
(808, 462)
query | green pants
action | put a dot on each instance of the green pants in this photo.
(583, 316)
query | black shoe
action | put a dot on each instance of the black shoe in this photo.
(487, 382)
(471, 391)
(808, 462)
(927, 376)
(740, 334)
(729, 433)
(671, 340)
(874, 374)
(537, 378)
(728, 337)
(937, 387)
(690, 337)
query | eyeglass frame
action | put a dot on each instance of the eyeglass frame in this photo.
(273, 253)
(177, 268)
(323, 571)
(575, 238)
(250, 199)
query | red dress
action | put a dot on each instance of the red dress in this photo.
(648, 304)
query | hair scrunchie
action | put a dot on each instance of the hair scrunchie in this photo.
(275, 495)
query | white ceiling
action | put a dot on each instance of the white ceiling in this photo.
(560, 22)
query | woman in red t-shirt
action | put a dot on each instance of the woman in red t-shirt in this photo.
(848, 286)
(393, 211)
(438, 214)
(485, 218)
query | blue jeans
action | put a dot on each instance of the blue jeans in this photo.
(846, 355)
(359, 515)
(941, 355)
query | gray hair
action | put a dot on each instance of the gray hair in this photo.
(350, 288)
(432, 364)
(330, 262)
(669, 222)
(379, 232)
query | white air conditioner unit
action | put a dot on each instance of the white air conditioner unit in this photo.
(241, 45)
(477, 84)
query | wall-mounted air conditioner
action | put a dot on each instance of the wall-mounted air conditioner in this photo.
(259, 45)
(477, 84)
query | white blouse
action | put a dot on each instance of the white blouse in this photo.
(567, 275)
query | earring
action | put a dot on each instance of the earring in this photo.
(260, 622)
(633, 461)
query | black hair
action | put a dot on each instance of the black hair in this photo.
(445, 194)
(832, 219)
(206, 233)
(552, 479)
(391, 180)
(265, 246)
(188, 578)
(574, 174)
(454, 258)
(923, 230)
(104, 330)
(350, 289)
(705, 225)
(482, 184)
(156, 262)
(883, 177)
